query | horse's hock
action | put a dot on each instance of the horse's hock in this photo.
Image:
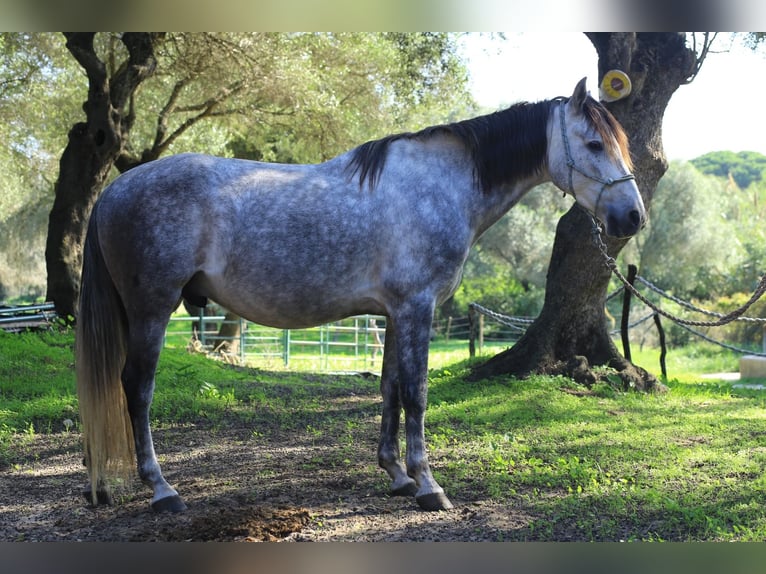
(752, 367)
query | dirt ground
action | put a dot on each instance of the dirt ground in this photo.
(239, 485)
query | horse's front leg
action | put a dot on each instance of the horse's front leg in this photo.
(412, 327)
(138, 382)
(388, 448)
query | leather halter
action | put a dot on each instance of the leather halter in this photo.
(607, 182)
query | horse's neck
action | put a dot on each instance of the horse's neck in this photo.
(499, 201)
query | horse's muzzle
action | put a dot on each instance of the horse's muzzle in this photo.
(624, 224)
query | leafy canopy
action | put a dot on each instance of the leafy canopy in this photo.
(743, 167)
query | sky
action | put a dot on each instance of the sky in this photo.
(720, 110)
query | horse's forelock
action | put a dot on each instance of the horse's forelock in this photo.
(611, 132)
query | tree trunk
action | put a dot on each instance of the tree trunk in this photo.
(571, 335)
(90, 154)
(83, 168)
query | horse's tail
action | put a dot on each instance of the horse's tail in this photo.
(100, 349)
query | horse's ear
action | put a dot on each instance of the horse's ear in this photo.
(577, 100)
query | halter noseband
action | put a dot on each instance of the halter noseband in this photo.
(607, 182)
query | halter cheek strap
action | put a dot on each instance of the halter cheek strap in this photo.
(607, 182)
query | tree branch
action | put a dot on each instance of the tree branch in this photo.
(707, 42)
(139, 66)
(207, 109)
(161, 143)
(162, 118)
(80, 45)
(222, 96)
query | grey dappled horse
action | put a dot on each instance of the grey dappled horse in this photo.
(382, 229)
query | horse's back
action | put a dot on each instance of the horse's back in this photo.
(185, 178)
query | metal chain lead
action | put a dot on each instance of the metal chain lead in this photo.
(692, 307)
(611, 264)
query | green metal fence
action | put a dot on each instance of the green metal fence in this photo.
(355, 343)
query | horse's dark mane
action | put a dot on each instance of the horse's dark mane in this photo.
(505, 146)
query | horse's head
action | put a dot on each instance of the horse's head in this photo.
(588, 157)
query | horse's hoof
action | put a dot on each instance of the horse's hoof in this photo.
(169, 504)
(434, 501)
(102, 497)
(409, 489)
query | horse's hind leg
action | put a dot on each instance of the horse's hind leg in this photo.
(388, 448)
(145, 344)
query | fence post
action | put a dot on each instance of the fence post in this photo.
(286, 347)
(324, 344)
(449, 328)
(663, 348)
(481, 332)
(242, 327)
(632, 272)
(471, 331)
(202, 326)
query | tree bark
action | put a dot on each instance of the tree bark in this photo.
(570, 335)
(90, 153)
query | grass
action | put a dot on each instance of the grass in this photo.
(688, 465)
(688, 363)
(586, 464)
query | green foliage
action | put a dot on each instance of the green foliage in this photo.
(744, 334)
(22, 245)
(745, 167)
(430, 78)
(690, 245)
(344, 89)
(498, 290)
(40, 94)
(706, 243)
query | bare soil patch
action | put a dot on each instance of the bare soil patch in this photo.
(296, 483)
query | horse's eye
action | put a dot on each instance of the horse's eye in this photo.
(595, 145)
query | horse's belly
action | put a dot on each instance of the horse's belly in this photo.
(301, 316)
(294, 305)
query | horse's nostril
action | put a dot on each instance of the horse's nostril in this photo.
(624, 225)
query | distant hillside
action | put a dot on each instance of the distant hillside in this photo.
(745, 167)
